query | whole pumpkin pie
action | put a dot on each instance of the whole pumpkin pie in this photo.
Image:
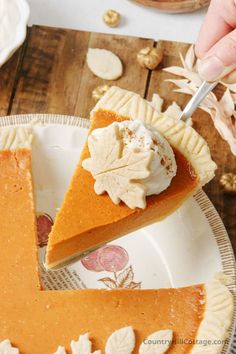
(38, 321)
(97, 207)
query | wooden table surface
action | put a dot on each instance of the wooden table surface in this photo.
(48, 74)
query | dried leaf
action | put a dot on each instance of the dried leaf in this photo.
(182, 60)
(190, 75)
(222, 112)
(125, 277)
(121, 341)
(190, 58)
(117, 172)
(227, 103)
(110, 283)
(157, 343)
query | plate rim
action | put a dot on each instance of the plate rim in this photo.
(212, 216)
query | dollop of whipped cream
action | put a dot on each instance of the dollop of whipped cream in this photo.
(9, 19)
(140, 137)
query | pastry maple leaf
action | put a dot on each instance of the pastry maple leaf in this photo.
(117, 170)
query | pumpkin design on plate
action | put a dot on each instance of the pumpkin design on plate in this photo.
(113, 259)
(44, 225)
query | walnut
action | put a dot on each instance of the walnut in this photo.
(228, 181)
(150, 57)
(99, 91)
(111, 18)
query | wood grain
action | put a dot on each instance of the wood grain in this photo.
(221, 154)
(8, 77)
(51, 72)
(134, 77)
(55, 77)
(175, 6)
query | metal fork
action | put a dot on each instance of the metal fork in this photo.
(199, 96)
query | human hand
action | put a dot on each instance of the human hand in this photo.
(216, 43)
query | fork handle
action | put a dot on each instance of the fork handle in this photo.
(199, 96)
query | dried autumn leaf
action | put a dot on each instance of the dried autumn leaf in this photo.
(121, 341)
(125, 277)
(222, 112)
(110, 283)
(190, 59)
(117, 172)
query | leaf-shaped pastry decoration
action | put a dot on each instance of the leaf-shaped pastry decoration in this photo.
(222, 111)
(117, 171)
(60, 350)
(173, 110)
(6, 348)
(121, 341)
(125, 277)
(83, 345)
(104, 64)
(157, 343)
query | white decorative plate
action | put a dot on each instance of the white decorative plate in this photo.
(188, 247)
(14, 15)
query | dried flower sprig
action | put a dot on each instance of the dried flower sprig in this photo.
(222, 112)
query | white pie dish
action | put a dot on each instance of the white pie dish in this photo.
(13, 26)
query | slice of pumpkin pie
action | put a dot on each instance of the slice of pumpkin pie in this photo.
(137, 167)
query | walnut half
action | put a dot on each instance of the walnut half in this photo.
(99, 91)
(111, 18)
(150, 57)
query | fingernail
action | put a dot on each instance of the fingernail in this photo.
(211, 68)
